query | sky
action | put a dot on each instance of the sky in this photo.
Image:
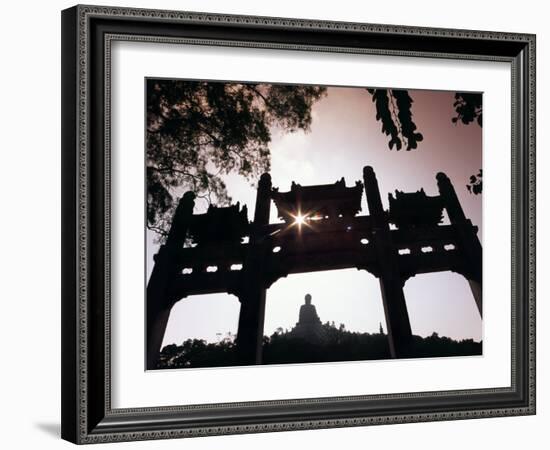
(344, 137)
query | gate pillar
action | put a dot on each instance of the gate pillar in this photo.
(253, 292)
(391, 281)
(159, 302)
(468, 242)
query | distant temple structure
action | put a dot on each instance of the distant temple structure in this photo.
(309, 326)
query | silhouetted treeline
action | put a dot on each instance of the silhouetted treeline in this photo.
(337, 344)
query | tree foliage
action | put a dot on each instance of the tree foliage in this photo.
(468, 108)
(475, 183)
(199, 131)
(338, 344)
(393, 109)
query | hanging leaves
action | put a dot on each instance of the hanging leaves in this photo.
(393, 110)
(475, 184)
(468, 107)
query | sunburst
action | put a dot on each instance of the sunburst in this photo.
(300, 219)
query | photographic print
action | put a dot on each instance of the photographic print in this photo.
(311, 224)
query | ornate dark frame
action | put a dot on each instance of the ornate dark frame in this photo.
(87, 32)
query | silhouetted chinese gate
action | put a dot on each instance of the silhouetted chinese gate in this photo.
(321, 231)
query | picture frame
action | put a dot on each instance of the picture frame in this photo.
(87, 365)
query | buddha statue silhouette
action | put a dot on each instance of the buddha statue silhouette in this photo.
(309, 325)
(308, 313)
